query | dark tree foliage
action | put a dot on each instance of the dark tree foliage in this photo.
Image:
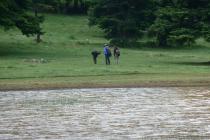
(76, 6)
(65, 6)
(180, 22)
(122, 20)
(11, 11)
(175, 22)
(13, 14)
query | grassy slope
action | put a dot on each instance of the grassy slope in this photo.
(66, 48)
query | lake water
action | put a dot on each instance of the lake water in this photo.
(106, 114)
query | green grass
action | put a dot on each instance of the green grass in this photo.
(66, 49)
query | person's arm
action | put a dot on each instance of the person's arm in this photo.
(105, 51)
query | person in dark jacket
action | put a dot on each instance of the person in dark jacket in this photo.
(95, 54)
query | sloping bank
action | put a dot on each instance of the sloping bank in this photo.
(110, 81)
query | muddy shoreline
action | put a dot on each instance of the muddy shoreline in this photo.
(57, 86)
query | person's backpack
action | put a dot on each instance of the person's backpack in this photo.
(109, 53)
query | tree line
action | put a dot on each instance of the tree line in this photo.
(64, 6)
(170, 22)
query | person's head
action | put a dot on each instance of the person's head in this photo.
(110, 46)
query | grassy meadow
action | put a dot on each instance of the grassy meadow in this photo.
(64, 59)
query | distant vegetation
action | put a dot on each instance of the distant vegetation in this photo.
(14, 13)
(65, 6)
(171, 22)
(124, 22)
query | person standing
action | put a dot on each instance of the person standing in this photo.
(107, 54)
(116, 54)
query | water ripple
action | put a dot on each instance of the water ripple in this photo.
(106, 114)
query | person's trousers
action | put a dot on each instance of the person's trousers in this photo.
(95, 60)
(107, 60)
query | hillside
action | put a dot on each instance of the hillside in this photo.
(64, 60)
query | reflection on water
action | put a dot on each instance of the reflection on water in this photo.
(104, 114)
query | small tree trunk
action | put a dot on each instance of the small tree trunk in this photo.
(38, 38)
(76, 6)
(162, 40)
(36, 13)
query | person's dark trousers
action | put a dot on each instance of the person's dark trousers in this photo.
(107, 60)
(95, 60)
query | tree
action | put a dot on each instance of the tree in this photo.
(180, 22)
(37, 5)
(122, 20)
(13, 13)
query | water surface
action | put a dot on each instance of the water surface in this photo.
(106, 114)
